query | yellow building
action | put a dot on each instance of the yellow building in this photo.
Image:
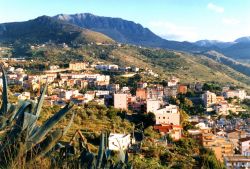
(77, 66)
(220, 145)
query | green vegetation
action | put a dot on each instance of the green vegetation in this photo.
(212, 87)
(185, 153)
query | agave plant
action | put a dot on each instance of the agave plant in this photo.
(20, 134)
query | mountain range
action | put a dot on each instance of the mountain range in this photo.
(66, 28)
(129, 32)
(86, 27)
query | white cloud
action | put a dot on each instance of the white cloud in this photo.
(215, 8)
(230, 21)
(171, 31)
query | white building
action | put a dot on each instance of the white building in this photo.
(119, 141)
(23, 96)
(241, 94)
(173, 81)
(153, 105)
(209, 99)
(244, 144)
(54, 67)
(107, 67)
(167, 115)
(67, 94)
(101, 93)
(135, 69)
(237, 162)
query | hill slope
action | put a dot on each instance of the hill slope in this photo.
(240, 67)
(238, 49)
(188, 67)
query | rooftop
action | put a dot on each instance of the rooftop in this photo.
(244, 139)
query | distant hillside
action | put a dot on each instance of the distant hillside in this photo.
(213, 44)
(123, 31)
(245, 39)
(188, 67)
(238, 49)
(240, 67)
(44, 29)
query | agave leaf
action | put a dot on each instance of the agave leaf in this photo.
(101, 151)
(48, 125)
(51, 140)
(24, 106)
(106, 161)
(21, 122)
(3, 122)
(38, 109)
(40, 101)
(12, 109)
(28, 119)
(107, 153)
(126, 158)
(14, 138)
(46, 145)
(121, 155)
(69, 124)
(106, 140)
(129, 166)
(119, 165)
(4, 106)
(121, 152)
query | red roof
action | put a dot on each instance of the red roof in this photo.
(166, 128)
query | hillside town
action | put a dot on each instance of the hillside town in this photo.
(214, 117)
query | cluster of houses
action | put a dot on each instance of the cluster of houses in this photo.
(153, 99)
(230, 139)
(220, 104)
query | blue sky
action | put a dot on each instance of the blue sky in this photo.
(180, 20)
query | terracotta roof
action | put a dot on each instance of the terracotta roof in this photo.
(166, 128)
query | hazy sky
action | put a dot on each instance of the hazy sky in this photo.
(180, 20)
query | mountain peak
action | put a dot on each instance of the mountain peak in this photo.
(79, 16)
(245, 39)
(44, 28)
